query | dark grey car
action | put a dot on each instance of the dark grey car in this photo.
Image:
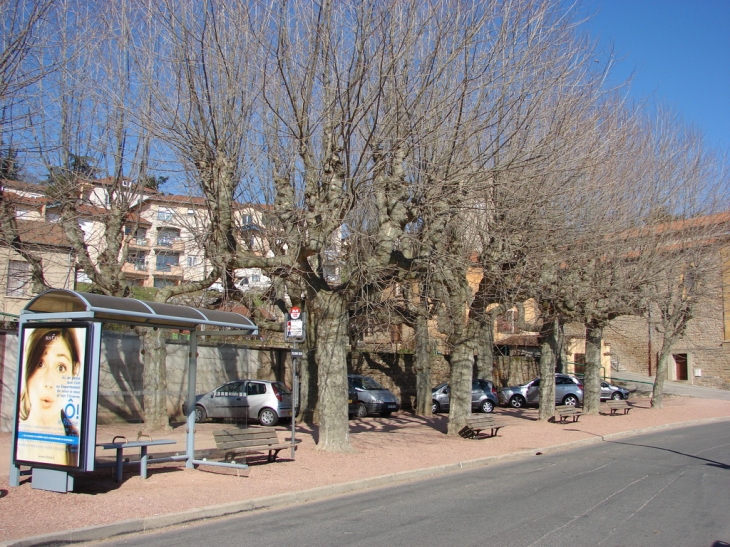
(372, 398)
(483, 396)
(568, 391)
(260, 400)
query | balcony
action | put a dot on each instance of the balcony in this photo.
(170, 244)
(135, 269)
(138, 243)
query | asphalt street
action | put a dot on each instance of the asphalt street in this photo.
(662, 489)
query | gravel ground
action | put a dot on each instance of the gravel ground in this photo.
(382, 446)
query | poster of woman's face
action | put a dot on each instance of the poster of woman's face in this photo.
(51, 395)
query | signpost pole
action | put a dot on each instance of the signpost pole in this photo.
(294, 400)
(294, 333)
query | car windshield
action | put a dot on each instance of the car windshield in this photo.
(366, 383)
(437, 388)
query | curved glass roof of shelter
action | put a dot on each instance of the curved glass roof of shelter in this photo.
(66, 304)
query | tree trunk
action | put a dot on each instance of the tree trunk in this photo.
(485, 348)
(592, 377)
(331, 353)
(657, 400)
(547, 370)
(423, 367)
(561, 364)
(308, 375)
(154, 380)
(462, 362)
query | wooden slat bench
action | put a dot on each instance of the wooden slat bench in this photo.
(563, 412)
(476, 423)
(241, 441)
(618, 404)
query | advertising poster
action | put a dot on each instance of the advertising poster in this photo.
(51, 395)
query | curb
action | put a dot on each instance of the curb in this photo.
(105, 531)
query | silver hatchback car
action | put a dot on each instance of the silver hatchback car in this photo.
(483, 396)
(261, 400)
(568, 391)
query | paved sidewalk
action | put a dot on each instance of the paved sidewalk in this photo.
(386, 451)
(639, 382)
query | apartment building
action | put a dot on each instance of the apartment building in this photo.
(164, 238)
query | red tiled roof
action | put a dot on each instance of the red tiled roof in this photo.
(42, 233)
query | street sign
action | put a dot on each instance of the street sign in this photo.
(296, 353)
(294, 326)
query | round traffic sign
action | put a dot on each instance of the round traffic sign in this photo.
(295, 312)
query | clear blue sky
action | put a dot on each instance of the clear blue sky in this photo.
(679, 51)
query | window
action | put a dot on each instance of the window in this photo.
(164, 214)
(255, 389)
(192, 261)
(246, 220)
(139, 260)
(191, 212)
(506, 322)
(167, 238)
(18, 278)
(165, 261)
(331, 274)
(255, 278)
(232, 388)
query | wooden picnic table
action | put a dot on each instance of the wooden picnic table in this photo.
(120, 443)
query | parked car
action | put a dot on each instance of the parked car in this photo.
(568, 391)
(372, 398)
(352, 401)
(483, 396)
(261, 400)
(610, 391)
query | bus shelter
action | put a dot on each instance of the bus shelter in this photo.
(59, 356)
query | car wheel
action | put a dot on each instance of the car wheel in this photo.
(570, 400)
(386, 413)
(200, 414)
(435, 408)
(517, 401)
(362, 410)
(616, 396)
(268, 417)
(487, 406)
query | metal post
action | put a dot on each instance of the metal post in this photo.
(294, 400)
(190, 418)
(650, 349)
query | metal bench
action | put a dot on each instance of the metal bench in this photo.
(564, 412)
(120, 443)
(233, 442)
(618, 404)
(476, 423)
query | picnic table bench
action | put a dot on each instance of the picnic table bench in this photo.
(476, 423)
(564, 412)
(233, 442)
(120, 443)
(618, 404)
